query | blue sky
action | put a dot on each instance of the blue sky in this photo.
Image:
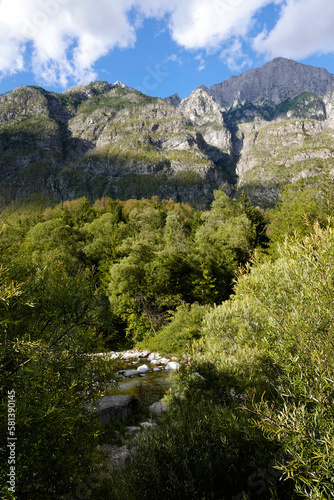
(157, 46)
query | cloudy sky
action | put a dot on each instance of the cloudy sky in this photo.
(157, 46)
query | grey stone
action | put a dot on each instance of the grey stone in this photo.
(133, 429)
(110, 408)
(155, 362)
(144, 354)
(148, 425)
(158, 408)
(154, 355)
(128, 373)
(164, 361)
(127, 355)
(173, 365)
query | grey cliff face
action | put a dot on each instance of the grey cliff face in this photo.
(273, 83)
(101, 140)
(204, 113)
(174, 99)
(23, 101)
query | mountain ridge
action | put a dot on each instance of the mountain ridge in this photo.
(268, 83)
(104, 139)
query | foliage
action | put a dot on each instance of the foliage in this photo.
(277, 334)
(56, 437)
(296, 213)
(165, 263)
(305, 105)
(117, 99)
(51, 379)
(203, 449)
(75, 276)
(177, 336)
(52, 312)
(300, 207)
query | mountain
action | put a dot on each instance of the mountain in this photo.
(100, 140)
(281, 120)
(255, 132)
(273, 83)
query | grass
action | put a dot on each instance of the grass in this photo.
(117, 98)
(303, 109)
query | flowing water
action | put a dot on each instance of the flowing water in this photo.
(148, 388)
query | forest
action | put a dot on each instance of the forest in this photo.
(246, 293)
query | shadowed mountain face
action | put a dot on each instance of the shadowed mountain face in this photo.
(255, 132)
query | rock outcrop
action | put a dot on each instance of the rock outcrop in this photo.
(174, 99)
(204, 113)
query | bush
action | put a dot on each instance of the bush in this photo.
(203, 449)
(277, 335)
(177, 336)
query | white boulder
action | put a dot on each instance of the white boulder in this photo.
(164, 361)
(143, 369)
(173, 365)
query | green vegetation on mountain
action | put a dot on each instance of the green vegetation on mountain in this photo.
(118, 98)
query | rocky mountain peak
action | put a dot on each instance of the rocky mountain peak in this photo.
(271, 84)
(25, 100)
(123, 86)
(174, 99)
(204, 113)
(84, 92)
(201, 108)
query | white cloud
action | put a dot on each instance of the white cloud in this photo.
(61, 40)
(11, 53)
(174, 58)
(234, 57)
(67, 36)
(201, 60)
(198, 24)
(305, 27)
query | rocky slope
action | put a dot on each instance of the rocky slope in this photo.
(255, 132)
(281, 119)
(102, 139)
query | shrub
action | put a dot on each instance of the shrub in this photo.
(277, 333)
(203, 449)
(177, 336)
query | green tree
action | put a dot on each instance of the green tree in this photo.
(50, 322)
(300, 207)
(225, 240)
(103, 237)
